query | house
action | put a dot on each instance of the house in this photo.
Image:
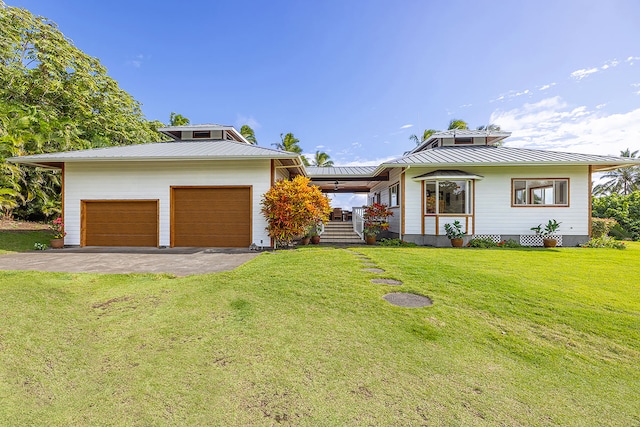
(204, 189)
(495, 192)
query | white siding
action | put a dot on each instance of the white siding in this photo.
(493, 211)
(152, 180)
(383, 188)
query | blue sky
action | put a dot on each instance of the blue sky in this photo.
(356, 78)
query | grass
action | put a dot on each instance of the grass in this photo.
(20, 241)
(515, 337)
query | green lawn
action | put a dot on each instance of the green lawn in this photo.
(515, 337)
(20, 241)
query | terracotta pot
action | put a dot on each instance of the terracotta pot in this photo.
(371, 240)
(315, 240)
(457, 243)
(305, 240)
(549, 243)
(57, 243)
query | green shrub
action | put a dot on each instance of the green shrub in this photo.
(618, 232)
(396, 242)
(604, 242)
(509, 244)
(601, 226)
(482, 243)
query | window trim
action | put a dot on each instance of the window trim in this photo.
(201, 134)
(513, 193)
(397, 187)
(469, 198)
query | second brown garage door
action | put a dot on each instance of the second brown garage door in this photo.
(211, 216)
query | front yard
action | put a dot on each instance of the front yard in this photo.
(515, 337)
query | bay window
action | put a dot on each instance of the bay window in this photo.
(447, 197)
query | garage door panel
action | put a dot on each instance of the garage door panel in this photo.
(120, 223)
(211, 217)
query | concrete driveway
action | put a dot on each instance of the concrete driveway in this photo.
(178, 261)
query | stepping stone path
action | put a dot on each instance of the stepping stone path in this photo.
(403, 299)
(393, 282)
(374, 270)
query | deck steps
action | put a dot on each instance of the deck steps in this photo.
(340, 233)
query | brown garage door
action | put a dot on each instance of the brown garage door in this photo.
(119, 223)
(211, 216)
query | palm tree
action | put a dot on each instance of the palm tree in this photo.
(622, 180)
(248, 134)
(458, 124)
(425, 135)
(322, 159)
(178, 120)
(289, 143)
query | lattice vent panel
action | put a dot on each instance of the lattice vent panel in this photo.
(536, 240)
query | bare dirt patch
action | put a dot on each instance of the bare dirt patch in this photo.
(12, 225)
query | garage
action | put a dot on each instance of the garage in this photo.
(211, 216)
(119, 223)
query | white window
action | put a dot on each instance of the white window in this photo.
(540, 192)
(394, 195)
(447, 197)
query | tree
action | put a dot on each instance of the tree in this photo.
(425, 135)
(54, 97)
(621, 180)
(457, 124)
(322, 159)
(248, 134)
(178, 120)
(289, 143)
(292, 207)
(623, 208)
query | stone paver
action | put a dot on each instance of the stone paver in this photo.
(178, 261)
(407, 300)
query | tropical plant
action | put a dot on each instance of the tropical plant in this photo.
(624, 209)
(289, 143)
(321, 159)
(248, 134)
(482, 243)
(292, 207)
(604, 242)
(375, 219)
(549, 229)
(425, 135)
(601, 226)
(57, 227)
(178, 120)
(621, 180)
(454, 230)
(458, 124)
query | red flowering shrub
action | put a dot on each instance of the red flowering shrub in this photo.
(375, 219)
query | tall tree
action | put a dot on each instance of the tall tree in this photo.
(176, 119)
(425, 135)
(457, 124)
(248, 134)
(54, 97)
(622, 180)
(321, 159)
(289, 143)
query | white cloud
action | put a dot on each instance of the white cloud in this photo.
(319, 147)
(632, 59)
(359, 161)
(137, 61)
(548, 86)
(407, 126)
(553, 124)
(512, 94)
(247, 120)
(465, 106)
(581, 74)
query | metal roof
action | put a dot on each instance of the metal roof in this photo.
(178, 150)
(483, 155)
(446, 174)
(338, 171)
(495, 135)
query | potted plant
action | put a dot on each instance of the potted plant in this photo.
(547, 233)
(57, 226)
(455, 233)
(375, 220)
(314, 236)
